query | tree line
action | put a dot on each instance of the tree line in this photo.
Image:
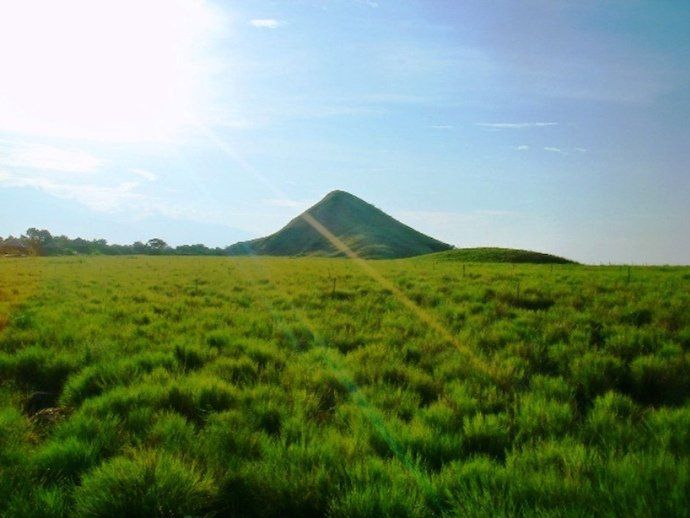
(43, 243)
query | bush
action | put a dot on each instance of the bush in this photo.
(637, 317)
(644, 484)
(656, 379)
(430, 448)
(539, 417)
(551, 476)
(476, 487)
(594, 373)
(295, 337)
(148, 484)
(211, 394)
(68, 459)
(290, 480)
(190, 357)
(15, 433)
(173, 433)
(669, 430)
(610, 423)
(373, 496)
(551, 387)
(218, 339)
(486, 434)
(107, 431)
(98, 378)
(44, 502)
(242, 371)
(227, 438)
(41, 369)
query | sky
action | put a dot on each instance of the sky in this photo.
(541, 124)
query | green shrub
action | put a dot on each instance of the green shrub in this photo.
(637, 317)
(539, 417)
(41, 369)
(65, 459)
(669, 430)
(290, 480)
(595, 373)
(43, 502)
(191, 357)
(211, 394)
(551, 387)
(173, 433)
(375, 487)
(107, 431)
(611, 422)
(486, 434)
(218, 339)
(296, 337)
(265, 354)
(644, 484)
(98, 378)
(15, 432)
(551, 476)
(657, 378)
(428, 447)
(241, 371)
(476, 487)
(266, 412)
(442, 417)
(226, 438)
(147, 484)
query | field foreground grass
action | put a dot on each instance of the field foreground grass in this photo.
(159, 386)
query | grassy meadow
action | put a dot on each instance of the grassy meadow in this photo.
(183, 386)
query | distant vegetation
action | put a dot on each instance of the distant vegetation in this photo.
(159, 386)
(43, 243)
(364, 229)
(498, 255)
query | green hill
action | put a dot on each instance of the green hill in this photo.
(498, 255)
(366, 230)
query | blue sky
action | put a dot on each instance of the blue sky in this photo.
(550, 125)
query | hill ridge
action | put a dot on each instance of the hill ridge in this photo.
(487, 254)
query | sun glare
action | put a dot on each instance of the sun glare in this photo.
(125, 70)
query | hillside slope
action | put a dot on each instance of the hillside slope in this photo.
(366, 230)
(498, 255)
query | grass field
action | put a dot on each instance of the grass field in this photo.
(173, 386)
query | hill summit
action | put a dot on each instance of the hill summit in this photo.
(365, 230)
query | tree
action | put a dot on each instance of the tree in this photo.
(157, 245)
(38, 240)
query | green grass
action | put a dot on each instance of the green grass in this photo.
(174, 386)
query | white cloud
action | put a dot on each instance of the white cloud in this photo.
(521, 148)
(101, 198)
(552, 149)
(266, 23)
(515, 125)
(143, 173)
(122, 197)
(47, 158)
(441, 127)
